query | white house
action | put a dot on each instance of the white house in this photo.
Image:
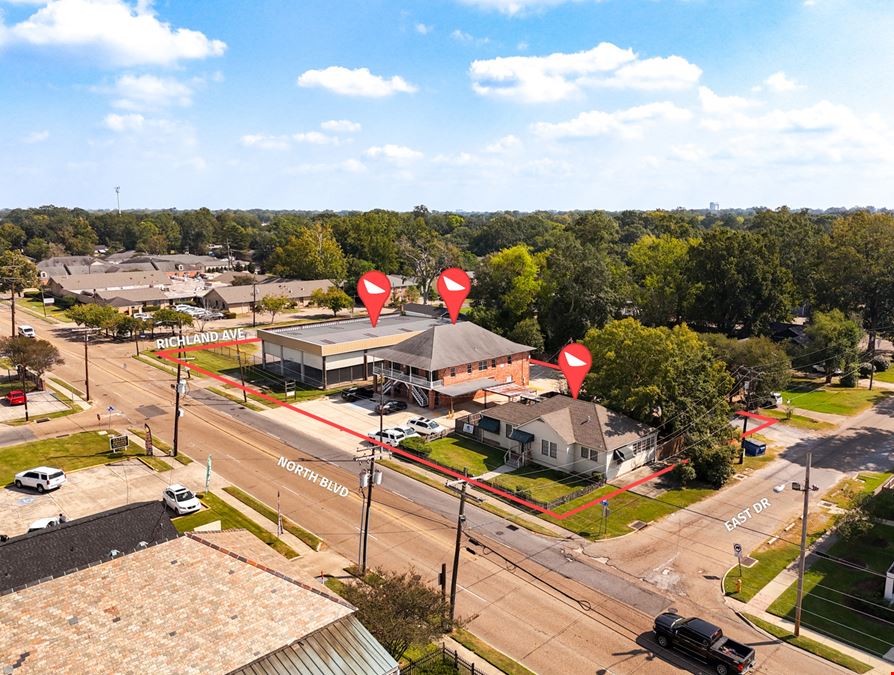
(569, 435)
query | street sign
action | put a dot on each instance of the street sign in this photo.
(118, 443)
(110, 409)
(738, 549)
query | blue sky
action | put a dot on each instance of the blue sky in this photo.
(457, 104)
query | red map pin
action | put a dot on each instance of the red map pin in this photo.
(374, 290)
(575, 361)
(454, 286)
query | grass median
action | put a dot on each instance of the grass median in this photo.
(289, 526)
(815, 395)
(230, 518)
(812, 646)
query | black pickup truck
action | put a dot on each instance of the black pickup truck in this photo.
(704, 641)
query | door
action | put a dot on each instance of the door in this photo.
(689, 641)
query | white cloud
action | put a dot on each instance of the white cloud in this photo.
(137, 92)
(36, 136)
(522, 46)
(629, 123)
(265, 142)
(559, 76)
(423, 29)
(688, 152)
(347, 166)
(122, 123)
(113, 31)
(715, 104)
(467, 38)
(353, 166)
(515, 7)
(341, 126)
(659, 73)
(399, 154)
(356, 82)
(505, 144)
(780, 82)
(316, 138)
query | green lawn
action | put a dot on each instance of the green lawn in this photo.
(37, 306)
(230, 519)
(828, 611)
(623, 510)
(494, 657)
(235, 395)
(799, 421)
(308, 538)
(16, 385)
(834, 399)
(155, 463)
(543, 484)
(865, 483)
(460, 453)
(65, 385)
(812, 646)
(887, 376)
(77, 451)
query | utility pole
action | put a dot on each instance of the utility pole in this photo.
(241, 374)
(254, 304)
(459, 531)
(86, 363)
(369, 477)
(806, 489)
(872, 356)
(178, 388)
(24, 371)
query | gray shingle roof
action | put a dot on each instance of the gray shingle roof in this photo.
(582, 422)
(294, 289)
(56, 551)
(449, 345)
(98, 281)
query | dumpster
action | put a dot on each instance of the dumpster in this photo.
(754, 448)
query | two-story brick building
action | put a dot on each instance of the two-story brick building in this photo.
(450, 363)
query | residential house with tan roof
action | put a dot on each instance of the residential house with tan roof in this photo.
(569, 435)
(106, 601)
(240, 299)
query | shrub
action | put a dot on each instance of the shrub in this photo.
(31, 294)
(151, 308)
(415, 444)
(881, 505)
(523, 493)
(684, 473)
(66, 302)
(866, 369)
(850, 378)
(229, 315)
(881, 363)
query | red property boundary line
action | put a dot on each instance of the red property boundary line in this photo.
(168, 354)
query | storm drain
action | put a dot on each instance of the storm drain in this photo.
(748, 562)
(637, 525)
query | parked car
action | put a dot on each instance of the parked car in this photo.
(43, 523)
(357, 393)
(27, 331)
(408, 432)
(42, 478)
(391, 406)
(16, 397)
(180, 500)
(426, 427)
(704, 641)
(145, 316)
(389, 436)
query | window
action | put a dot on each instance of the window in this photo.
(548, 448)
(509, 429)
(453, 372)
(482, 365)
(588, 453)
(469, 368)
(493, 363)
(509, 359)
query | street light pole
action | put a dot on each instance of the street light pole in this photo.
(806, 489)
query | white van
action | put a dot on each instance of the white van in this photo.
(27, 331)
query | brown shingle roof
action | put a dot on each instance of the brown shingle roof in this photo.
(583, 422)
(183, 606)
(449, 345)
(294, 289)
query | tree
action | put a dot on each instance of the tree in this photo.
(399, 609)
(507, 284)
(38, 249)
(527, 332)
(243, 280)
(426, 255)
(667, 378)
(17, 272)
(332, 298)
(835, 341)
(95, 316)
(760, 362)
(313, 254)
(29, 354)
(171, 317)
(658, 266)
(274, 304)
(740, 282)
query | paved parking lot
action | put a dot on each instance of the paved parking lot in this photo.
(39, 403)
(93, 490)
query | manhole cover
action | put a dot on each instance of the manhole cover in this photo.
(512, 527)
(638, 525)
(150, 410)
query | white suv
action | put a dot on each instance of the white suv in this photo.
(426, 427)
(181, 500)
(27, 331)
(391, 436)
(42, 478)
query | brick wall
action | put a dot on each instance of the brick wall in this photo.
(519, 369)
